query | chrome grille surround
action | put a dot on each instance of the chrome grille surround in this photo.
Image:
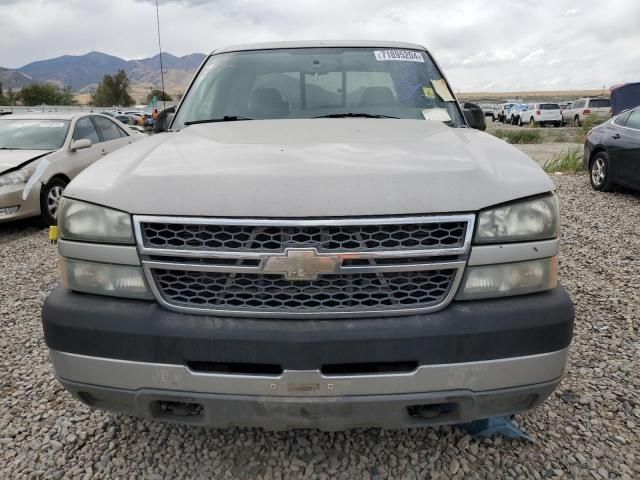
(409, 278)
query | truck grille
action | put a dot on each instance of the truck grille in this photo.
(330, 293)
(265, 238)
(316, 268)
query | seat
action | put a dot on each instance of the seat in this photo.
(267, 103)
(377, 97)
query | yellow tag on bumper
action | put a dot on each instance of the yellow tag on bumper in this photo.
(54, 233)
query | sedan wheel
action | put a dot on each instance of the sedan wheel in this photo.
(50, 197)
(600, 173)
(53, 200)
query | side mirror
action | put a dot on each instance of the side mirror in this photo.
(80, 144)
(164, 120)
(474, 115)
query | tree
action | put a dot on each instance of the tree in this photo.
(12, 96)
(38, 94)
(3, 100)
(113, 90)
(159, 96)
(65, 97)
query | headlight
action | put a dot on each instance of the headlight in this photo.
(17, 176)
(529, 220)
(507, 279)
(92, 223)
(104, 279)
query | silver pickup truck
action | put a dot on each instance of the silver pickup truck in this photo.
(318, 240)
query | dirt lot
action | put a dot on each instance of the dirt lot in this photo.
(589, 428)
(554, 140)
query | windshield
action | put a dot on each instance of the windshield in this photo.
(549, 106)
(599, 103)
(318, 82)
(33, 134)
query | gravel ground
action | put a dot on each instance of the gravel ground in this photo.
(588, 429)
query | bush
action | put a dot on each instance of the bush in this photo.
(159, 96)
(519, 136)
(45, 94)
(569, 161)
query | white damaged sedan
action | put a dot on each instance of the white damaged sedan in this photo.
(41, 153)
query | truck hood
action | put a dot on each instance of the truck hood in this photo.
(311, 168)
(14, 158)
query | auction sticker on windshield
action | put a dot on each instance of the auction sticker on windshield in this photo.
(398, 55)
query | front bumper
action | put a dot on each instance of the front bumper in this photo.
(472, 360)
(586, 155)
(402, 410)
(11, 196)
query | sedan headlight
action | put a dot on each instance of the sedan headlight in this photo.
(17, 176)
(536, 219)
(104, 279)
(507, 279)
(93, 223)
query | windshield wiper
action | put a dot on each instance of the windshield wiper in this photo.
(360, 115)
(226, 118)
(11, 148)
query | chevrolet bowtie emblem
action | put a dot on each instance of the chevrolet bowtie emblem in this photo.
(301, 264)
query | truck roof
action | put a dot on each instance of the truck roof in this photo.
(319, 43)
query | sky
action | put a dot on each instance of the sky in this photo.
(482, 45)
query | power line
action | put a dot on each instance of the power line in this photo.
(164, 96)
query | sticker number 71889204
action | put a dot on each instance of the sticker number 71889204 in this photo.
(398, 55)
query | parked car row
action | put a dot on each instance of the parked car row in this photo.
(530, 114)
(548, 113)
(139, 120)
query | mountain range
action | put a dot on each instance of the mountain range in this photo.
(83, 72)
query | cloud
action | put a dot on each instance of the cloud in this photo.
(481, 44)
(533, 58)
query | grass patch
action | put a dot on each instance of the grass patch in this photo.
(519, 136)
(569, 161)
(587, 124)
